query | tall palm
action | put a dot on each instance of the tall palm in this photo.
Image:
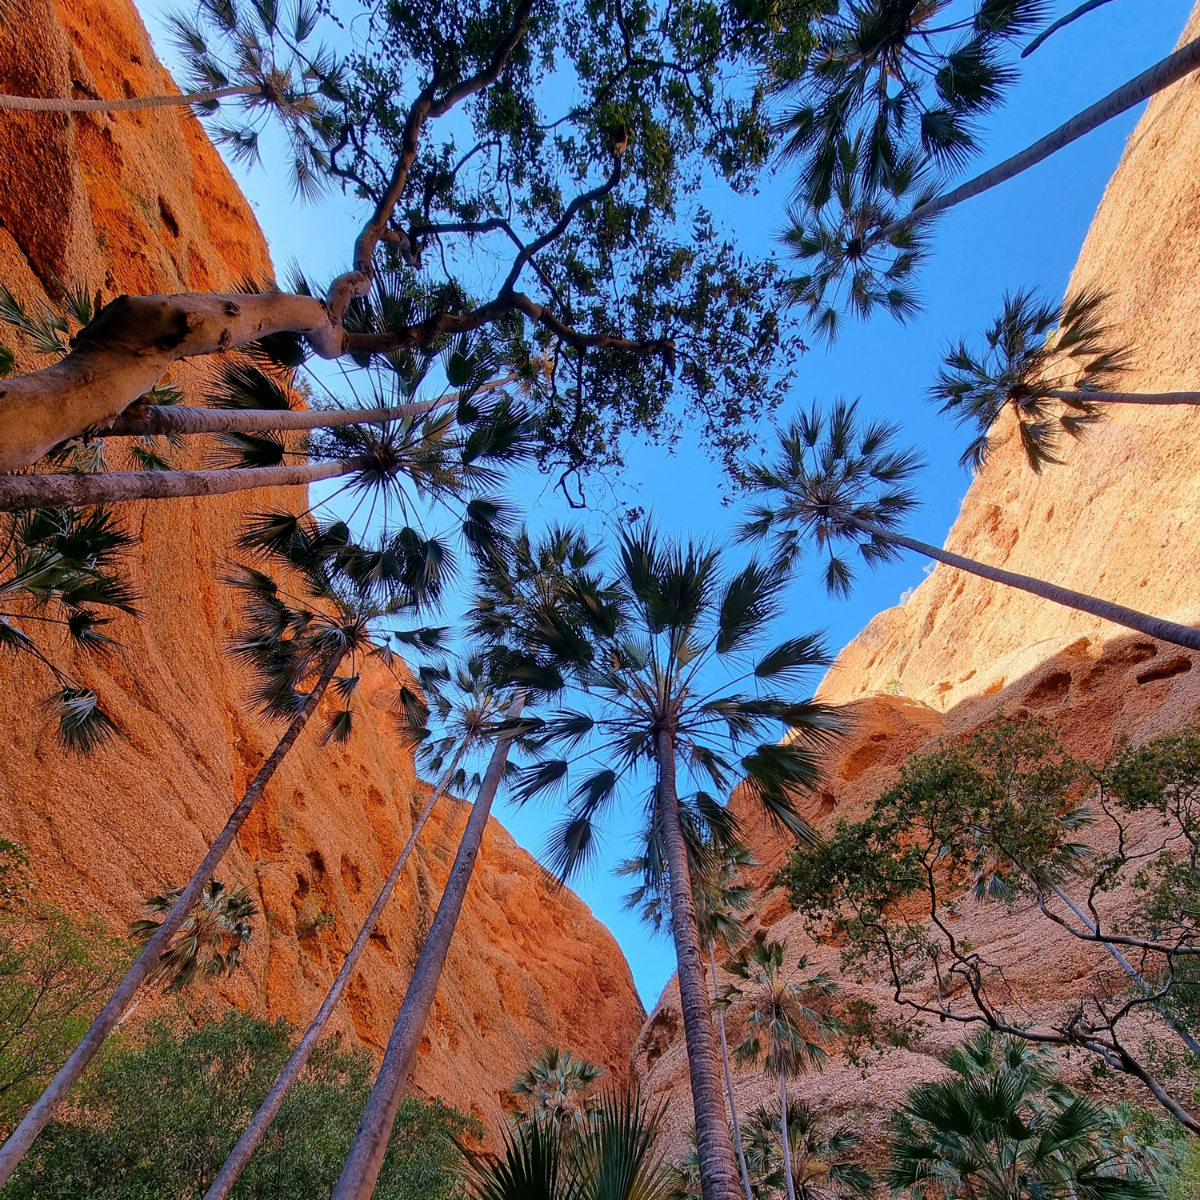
(1052, 365)
(613, 1159)
(555, 1082)
(890, 101)
(716, 870)
(527, 624)
(833, 483)
(209, 941)
(299, 633)
(1000, 1128)
(820, 1168)
(680, 680)
(63, 569)
(466, 715)
(782, 1029)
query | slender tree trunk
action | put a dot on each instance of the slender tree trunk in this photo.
(1061, 23)
(733, 1114)
(787, 1141)
(718, 1170)
(363, 1163)
(110, 487)
(1170, 70)
(1129, 969)
(1128, 397)
(73, 105)
(1118, 614)
(22, 1137)
(241, 1154)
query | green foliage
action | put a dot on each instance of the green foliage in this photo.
(1001, 1128)
(823, 1167)
(612, 1157)
(55, 972)
(555, 1083)
(158, 1119)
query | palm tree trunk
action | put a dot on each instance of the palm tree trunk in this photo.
(1164, 73)
(72, 105)
(1086, 7)
(1134, 974)
(363, 1163)
(783, 1129)
(1127, 397)
(69, 490)
(241, 1154)
(1118, 614)
(733, 1115)
(718, 1170)
(35, 1119)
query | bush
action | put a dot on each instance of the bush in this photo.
(158, 1119)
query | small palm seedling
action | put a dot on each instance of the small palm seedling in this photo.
(1001, 1128)
(614, 1158)
(785, 1020)
(1051, 364)
(678, 680)
(63, 569)
(208, 943)
(531, 620)
(834, 484)
(299, 633)
(716, 870)
(820, 1167)
(556, 1083)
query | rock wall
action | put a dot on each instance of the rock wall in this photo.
(1117, 520)
(140, 203)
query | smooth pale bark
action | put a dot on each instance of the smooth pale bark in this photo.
(1164, 73)
(1118, 614)
(53, 104)
(241, 1154)
(714, 1149)
(1184, 1036)
(19, 1141)
(1129, 397)
(361, 1169)
(787, 1142)
(733, 1116)
(113, 487)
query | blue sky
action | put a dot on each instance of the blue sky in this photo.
(1026, 233)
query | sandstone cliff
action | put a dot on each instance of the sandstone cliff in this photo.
(138, 203)
(1116, 520)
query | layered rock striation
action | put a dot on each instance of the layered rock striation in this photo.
(141, 202)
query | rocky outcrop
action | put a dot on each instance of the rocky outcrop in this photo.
(140, 203)
(1118, 520)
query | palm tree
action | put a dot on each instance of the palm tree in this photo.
(293, 643)
(887, 108)
(832, 482)
(721, 898)
(664, 687)
(527, 621)
(208, 942)
(781, 1029)
(555, 1082)
(467, 714)
(820, 1170)
(1051, 364)
(1000, 1128)
(613, 1159)
(63, 569)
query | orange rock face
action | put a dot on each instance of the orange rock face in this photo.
(1117, 520)
(139, 203)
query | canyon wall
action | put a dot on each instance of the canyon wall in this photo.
(1116, 520)
(141, 202)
